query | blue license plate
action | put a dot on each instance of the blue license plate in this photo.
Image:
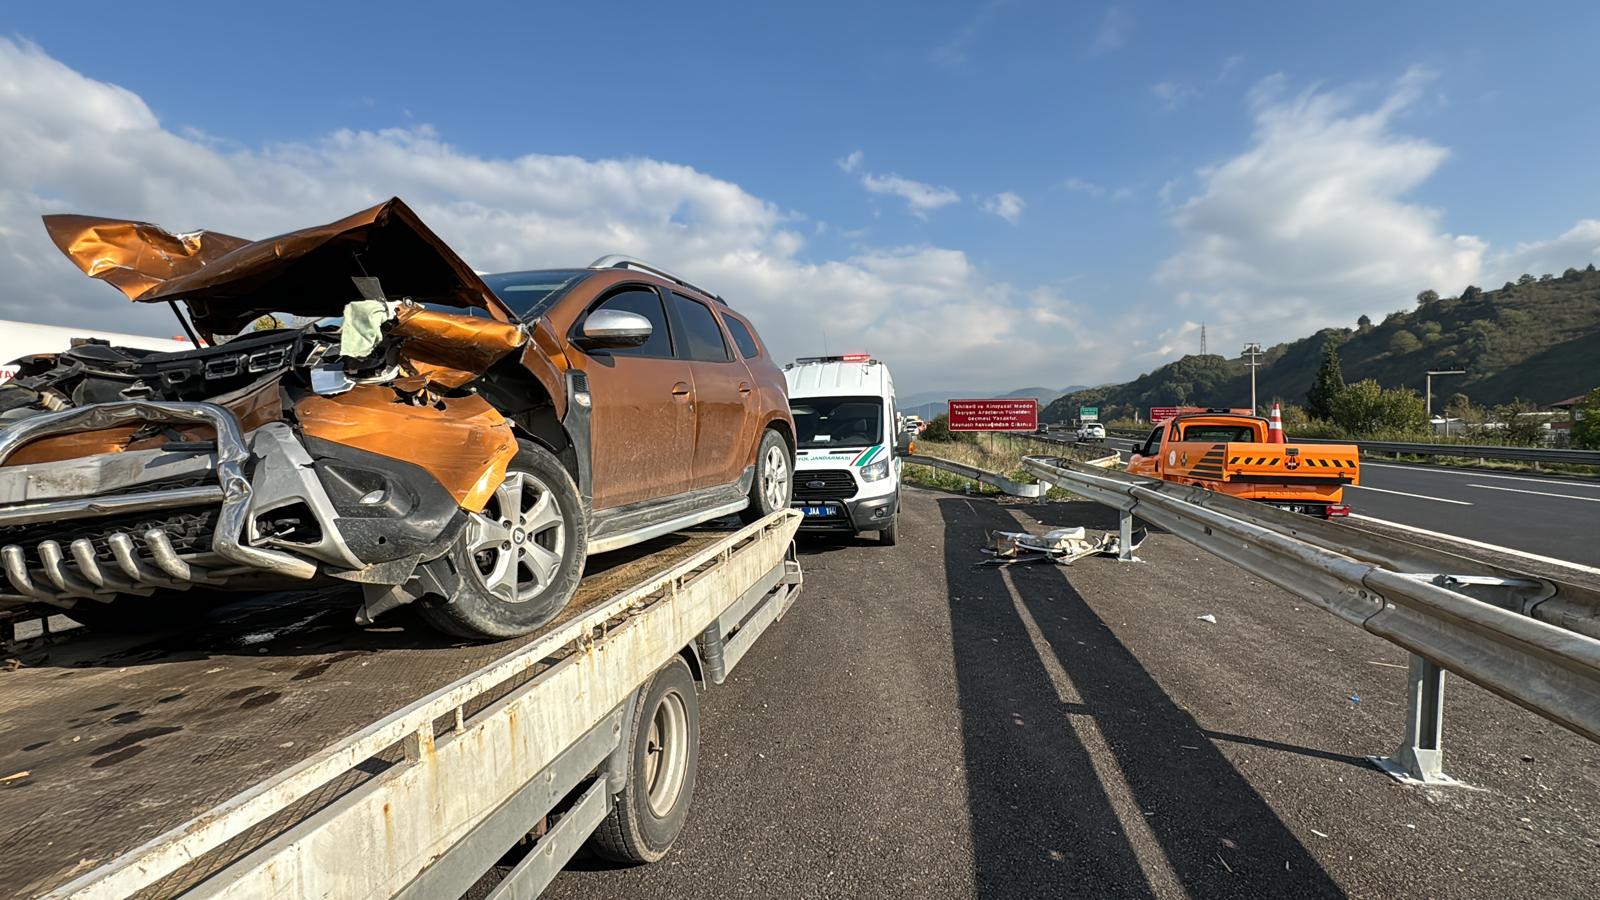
(819, 511)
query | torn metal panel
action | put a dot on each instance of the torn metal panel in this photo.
(229, 282)
(463, 442)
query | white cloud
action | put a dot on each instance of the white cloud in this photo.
(1578, 247)
(73, 144)
(921, 198)
(1112, 35)
(1173, 94)
(1006, 205)
(850, 163)
(1310, 225)
(1079, 185)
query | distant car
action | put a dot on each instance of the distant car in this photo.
(1042, 429)
(1091, 431)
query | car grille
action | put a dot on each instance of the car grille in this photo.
(826, 484)
(190, 531)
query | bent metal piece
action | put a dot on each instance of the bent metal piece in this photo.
(231, 454)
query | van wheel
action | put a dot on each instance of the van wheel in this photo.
(891, 535)
(521, 558)
(773, 485)
(663, 748)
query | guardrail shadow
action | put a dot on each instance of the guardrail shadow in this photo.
(1043, 823)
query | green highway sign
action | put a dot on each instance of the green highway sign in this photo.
(1088, 412)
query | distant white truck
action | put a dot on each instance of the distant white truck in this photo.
(20, 339)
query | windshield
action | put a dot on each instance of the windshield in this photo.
(838, 421)
(529, 294)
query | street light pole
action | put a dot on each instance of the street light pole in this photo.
(1253, 350)
(1429, 402)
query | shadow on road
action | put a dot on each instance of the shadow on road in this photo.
(1043, 823)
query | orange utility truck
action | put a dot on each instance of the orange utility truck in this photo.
(1224, 451)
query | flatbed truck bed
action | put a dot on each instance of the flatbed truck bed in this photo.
(277, 749)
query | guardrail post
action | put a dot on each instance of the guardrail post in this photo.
(1125, 537)
(1420, 758)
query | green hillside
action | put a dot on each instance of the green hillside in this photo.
(1537, 339)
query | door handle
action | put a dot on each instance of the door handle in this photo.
(681, 389)
(744, 388)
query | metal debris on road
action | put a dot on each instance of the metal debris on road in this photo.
(1062, 546)
(1208, 617)
(15, 776)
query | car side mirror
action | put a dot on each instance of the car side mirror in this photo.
(615, 328)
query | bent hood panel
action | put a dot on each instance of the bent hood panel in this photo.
(228, 282)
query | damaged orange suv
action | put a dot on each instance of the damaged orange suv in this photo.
(453, 441)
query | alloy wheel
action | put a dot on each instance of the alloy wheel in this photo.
(516, 543)
(775, 478)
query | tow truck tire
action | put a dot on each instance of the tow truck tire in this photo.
(521, 559)
(773, 486)
(891, 535)
(663, 747)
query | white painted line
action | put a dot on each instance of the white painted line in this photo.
(1491, 487)
(1471, 474)
(1472, 543)
(1404, 494)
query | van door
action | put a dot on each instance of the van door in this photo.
(643, 416)
(723, 395)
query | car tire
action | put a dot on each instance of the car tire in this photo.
(663, 752)
(891, 535)
(520, 559)
(773, 485)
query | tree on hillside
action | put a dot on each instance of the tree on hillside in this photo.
(1403, 342)
(1364, 322)
(1426, 297)
(1521, 427)
(1328, 384)
(1366, 408)
(1472, 292)
(1525, 278)
(1586, 419)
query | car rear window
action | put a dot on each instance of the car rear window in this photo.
(1240, 434)
(742, 337)
(701, 340)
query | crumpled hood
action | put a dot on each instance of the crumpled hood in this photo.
(227, 281)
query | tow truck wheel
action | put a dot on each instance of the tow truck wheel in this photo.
(521, 558)
(772, 487)
(663, 747)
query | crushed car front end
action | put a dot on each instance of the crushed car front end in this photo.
(354, 446)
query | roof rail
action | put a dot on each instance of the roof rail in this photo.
(621, 261)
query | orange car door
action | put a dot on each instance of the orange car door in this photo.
(723, 395)
(642, 424)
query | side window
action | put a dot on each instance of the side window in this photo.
(742, 337)
(1153, 444)
(702, 340)
(648, 304)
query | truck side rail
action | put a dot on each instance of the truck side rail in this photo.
(442, 769)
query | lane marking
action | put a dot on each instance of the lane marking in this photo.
(1147, 849)
(1492, 487)
(1481, 544)
(1443, 471)
(1404, 494)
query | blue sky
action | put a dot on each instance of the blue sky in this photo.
(988, 195)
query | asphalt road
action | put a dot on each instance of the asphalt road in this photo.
(1545, 515)
(920, 727)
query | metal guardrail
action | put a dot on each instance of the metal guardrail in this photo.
(1014, 488)
(1531, 639)
(1465, 451)
(1471, 451)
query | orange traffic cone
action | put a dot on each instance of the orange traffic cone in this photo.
(1275, 428)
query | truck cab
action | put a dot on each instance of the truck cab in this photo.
(1234, 454)
(847, 466)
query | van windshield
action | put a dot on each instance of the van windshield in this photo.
(837, 421)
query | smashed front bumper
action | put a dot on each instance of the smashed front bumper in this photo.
(182, 515)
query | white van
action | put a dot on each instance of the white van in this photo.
(847, 460)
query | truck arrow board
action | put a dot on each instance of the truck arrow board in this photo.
(994, 415)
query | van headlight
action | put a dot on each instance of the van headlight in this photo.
(877, 471)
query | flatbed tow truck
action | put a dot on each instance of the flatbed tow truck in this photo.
(279, 750)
